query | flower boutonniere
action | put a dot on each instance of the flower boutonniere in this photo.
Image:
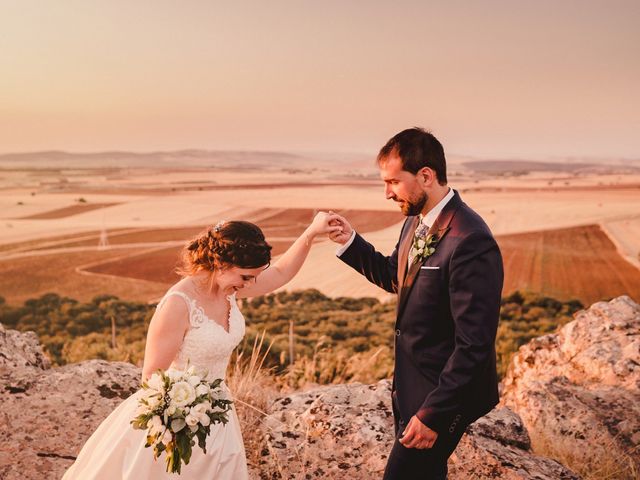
(423, 248)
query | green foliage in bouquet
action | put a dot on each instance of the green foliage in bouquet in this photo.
(177, 408)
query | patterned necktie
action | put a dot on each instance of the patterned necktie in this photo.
(421, 232)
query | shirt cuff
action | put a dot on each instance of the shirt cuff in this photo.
(344, 247)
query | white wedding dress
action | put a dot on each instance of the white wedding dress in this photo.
(116, 451)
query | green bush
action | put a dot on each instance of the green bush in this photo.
(327, 333)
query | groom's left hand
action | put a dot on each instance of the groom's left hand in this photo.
(418, 435)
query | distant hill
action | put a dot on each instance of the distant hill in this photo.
(341, 162)
(170, 159)
(494, 167)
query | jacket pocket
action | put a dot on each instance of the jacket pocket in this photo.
(428, 286)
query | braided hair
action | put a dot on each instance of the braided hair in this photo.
(227, 244)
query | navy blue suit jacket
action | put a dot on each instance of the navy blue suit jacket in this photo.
(445, 359)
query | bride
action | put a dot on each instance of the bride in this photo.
(198, 321)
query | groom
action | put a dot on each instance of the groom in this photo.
(447, 272)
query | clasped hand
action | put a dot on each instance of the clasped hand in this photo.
(343, 234)
(324, 223)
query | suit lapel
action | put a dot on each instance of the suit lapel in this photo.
(439, 228)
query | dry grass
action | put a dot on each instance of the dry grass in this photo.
(603, 460)
(329, 365)
(254, 387)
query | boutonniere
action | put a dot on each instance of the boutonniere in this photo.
(423, 248)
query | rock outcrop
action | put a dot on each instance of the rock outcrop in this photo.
(20, 350)
(574, 395)
(48, 413)
(578, 390)
(346, 431)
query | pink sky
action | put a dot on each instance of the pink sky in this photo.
(492, 79)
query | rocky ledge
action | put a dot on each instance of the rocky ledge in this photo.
(346, 431)
(573, 395)
(578, 390)
(48, 413)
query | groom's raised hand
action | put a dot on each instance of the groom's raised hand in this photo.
(342, 235)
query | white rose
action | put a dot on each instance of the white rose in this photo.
(204, 419)
(420, 243)
(171, 409)
(202, 390)
(167, 437)
(182, 394)
(191, 420)
(201, 409)
(194, 380)
(155, 425)
(155, 382)
(174, 375)
(178, 424)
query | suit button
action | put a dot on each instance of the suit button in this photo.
(398, 333)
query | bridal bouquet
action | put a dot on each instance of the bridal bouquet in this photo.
(177, 406)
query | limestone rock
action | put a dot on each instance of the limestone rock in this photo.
(19, 349)
(346, 431)
(578, 391)
(340, 431)
(48, 413)
(498, 446)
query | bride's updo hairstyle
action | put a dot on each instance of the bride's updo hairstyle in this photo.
(227, 244)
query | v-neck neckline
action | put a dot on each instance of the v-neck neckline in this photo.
(212, 320)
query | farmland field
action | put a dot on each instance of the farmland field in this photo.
(72, 265)
(566, 263)
(548, 225)
(67, 211)
(154, 265)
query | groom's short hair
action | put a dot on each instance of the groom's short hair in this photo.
(417, 149)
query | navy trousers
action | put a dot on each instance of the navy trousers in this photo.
(428, 464)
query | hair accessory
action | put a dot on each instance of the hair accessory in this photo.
(218, 226)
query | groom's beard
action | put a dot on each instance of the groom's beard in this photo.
(415, 205)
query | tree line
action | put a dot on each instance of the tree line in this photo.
(310, 337)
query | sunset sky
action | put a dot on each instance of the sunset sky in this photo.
(500, 79)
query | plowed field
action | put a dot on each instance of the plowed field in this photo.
(578, 262)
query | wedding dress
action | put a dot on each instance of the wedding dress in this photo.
(117, 451)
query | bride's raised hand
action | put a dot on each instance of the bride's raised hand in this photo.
(324, 223)
(290, 262)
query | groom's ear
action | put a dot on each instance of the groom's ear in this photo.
(426, 176)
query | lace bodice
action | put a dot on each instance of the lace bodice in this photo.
(207, 345)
